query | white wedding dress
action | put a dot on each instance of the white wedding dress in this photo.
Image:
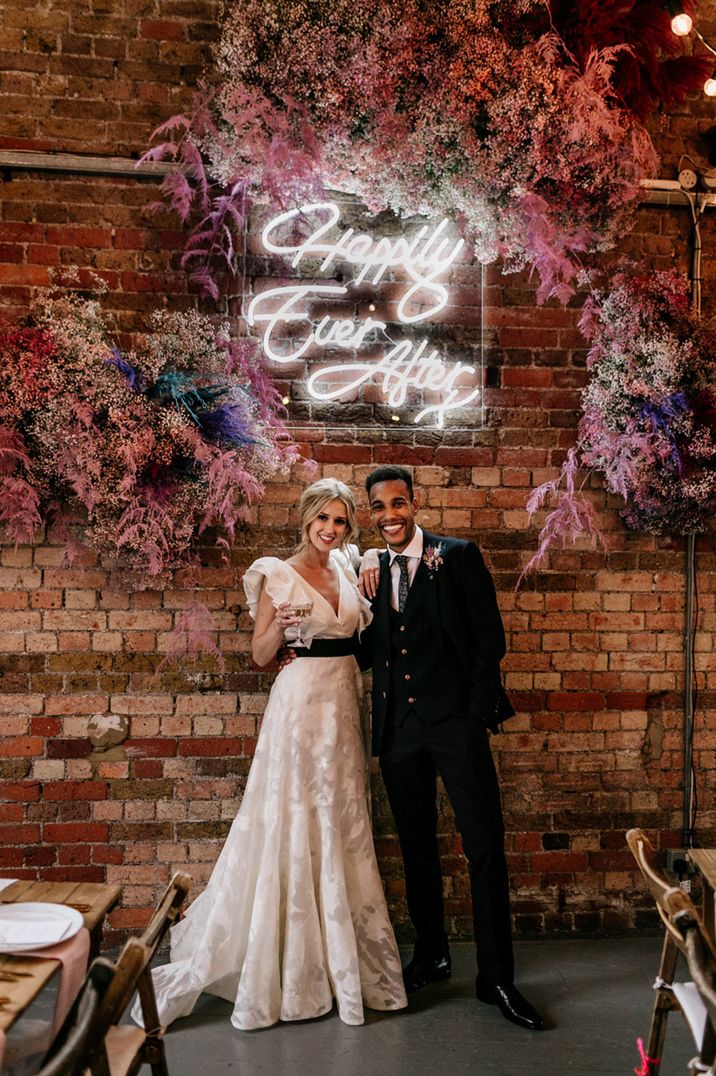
(294, 914)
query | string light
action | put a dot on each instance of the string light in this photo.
(682, 25)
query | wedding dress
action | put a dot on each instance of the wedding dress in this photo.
(294, 914)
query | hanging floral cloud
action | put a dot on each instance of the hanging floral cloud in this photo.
(477, 109)
(141, 451)
(649, 416)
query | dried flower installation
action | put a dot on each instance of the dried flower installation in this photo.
(649, 415)
(523, 121)
(143, 451)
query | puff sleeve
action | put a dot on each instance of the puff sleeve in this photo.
(272, 573)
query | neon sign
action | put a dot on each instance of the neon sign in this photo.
(407, 365)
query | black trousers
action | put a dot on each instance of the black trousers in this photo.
(458, 749)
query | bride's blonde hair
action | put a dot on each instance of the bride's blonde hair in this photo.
(315, 498)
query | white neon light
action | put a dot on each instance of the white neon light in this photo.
(335, 332)
(423, 258)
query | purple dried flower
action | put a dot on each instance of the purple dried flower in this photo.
(228, 424)
(133, 376)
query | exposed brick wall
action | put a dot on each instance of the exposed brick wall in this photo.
(595, 661)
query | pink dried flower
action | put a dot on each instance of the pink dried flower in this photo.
(473, 108)
(143, 452)
(649, 420)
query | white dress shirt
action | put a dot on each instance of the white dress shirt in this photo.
(413, 551)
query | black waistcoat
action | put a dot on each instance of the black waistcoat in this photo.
(425, 676)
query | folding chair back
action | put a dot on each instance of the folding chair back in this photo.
(92, 1040)
(697, 998)
(72, 1046)
(164, 917)
(167, 911)
(665, 1000)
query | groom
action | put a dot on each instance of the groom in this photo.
(436, 643)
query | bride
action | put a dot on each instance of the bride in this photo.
(294, 914)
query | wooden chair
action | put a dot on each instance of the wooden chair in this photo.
(164, 917)
(697, 998)
(667, 991)
(89, 1039)
(73, 1042)
(110, 1048)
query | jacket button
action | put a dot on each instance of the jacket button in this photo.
(402, 627)
(403, 651)
(407, 676)
(411, 700)
(387, 664)
(385, 694)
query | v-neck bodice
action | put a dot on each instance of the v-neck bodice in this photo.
(314, 590)
(285, 584)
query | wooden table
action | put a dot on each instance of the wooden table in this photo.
(704, 859)
(21, 980)
(93, 899)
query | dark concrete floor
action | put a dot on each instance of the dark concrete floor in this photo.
(596, 997)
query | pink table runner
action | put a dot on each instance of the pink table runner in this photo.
(73, 955)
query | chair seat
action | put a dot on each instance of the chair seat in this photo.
(123, 1042)
(693, 1008)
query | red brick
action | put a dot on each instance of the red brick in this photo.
(527, 376)
(72, 832)
(11, 857)
(74, 790)
(343, 453)
(82, 873)
(106, 853)
(78, 236)
(74, 853)
(80, 747)
(25, 791)
(463, 457)
(36, 275)
(45, 726)
(148, 767)
(21, 746)
(19, 834)
(141, 748)
(627, 700)
(575, 700)
(403, 454)
(161, 30)
(210, 746)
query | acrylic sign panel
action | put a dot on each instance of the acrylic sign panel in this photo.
(365, 331)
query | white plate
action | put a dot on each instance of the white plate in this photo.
(35, 925)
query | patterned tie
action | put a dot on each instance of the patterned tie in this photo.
(403, 582)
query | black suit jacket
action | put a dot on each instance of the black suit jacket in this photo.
(464, 616)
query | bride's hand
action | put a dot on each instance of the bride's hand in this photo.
(369, 575)
(284, 618)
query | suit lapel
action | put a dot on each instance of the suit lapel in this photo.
(383, 599)
(433, 598)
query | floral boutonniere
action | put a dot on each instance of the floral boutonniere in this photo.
(431, 557)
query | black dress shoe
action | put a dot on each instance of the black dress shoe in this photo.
(423, 970)
(510, 1003)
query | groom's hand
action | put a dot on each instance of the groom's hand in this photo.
(369, 575)
(284, 657)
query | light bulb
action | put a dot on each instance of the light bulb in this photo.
(710, 87)
(681, 24)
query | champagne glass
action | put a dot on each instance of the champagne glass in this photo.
(300, 610)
